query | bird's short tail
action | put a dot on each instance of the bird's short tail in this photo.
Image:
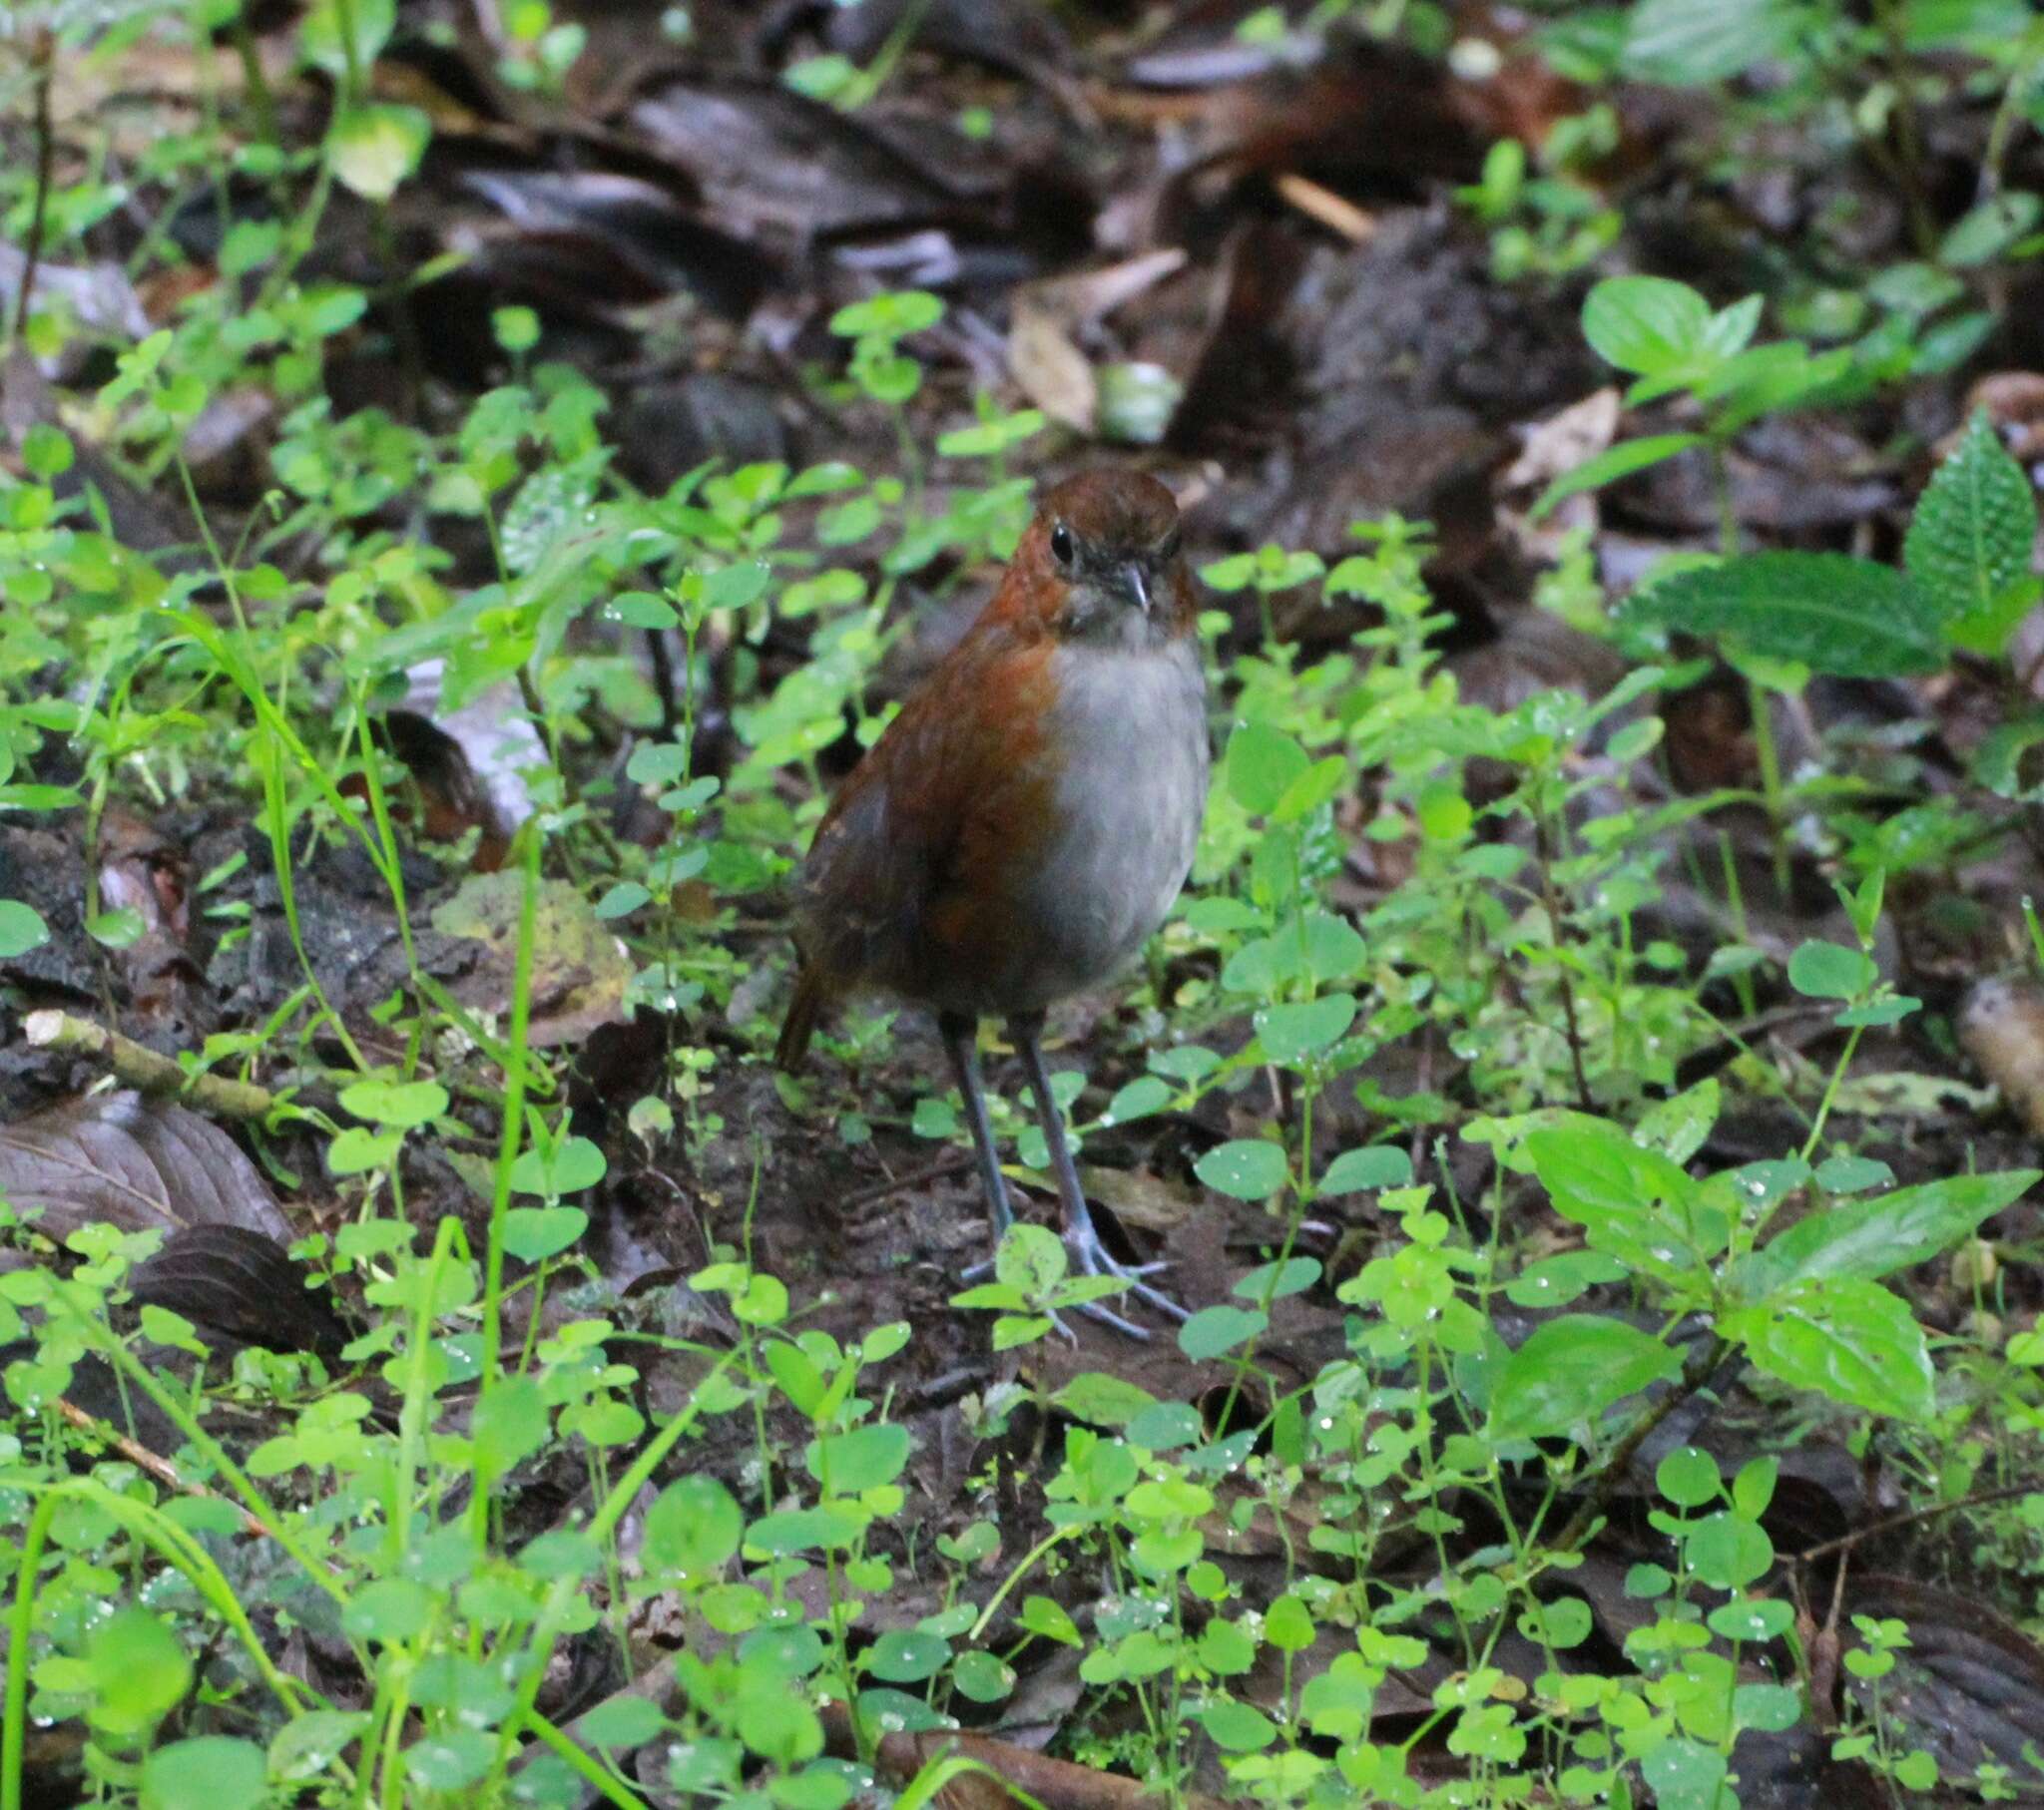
(801, 1023)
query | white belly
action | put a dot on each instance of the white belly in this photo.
(1133, 723)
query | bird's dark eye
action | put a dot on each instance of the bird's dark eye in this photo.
(1061, 545)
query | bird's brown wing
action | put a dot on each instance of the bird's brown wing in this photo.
(905, 885)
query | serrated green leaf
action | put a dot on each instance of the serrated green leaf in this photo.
(1969, 541)
(1696, 41)
(1835, 614)
(1844, 1338)
(1632, 1204)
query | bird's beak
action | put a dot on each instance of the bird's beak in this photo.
(1136, 582)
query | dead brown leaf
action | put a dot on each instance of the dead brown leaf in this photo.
(133, 1163)
(579, 971)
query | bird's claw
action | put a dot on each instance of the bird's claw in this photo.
(1095, 1259)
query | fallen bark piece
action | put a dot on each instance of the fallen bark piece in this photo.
(144, 1069)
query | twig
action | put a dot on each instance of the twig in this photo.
(1054, 1784)
(143, 1069)
(44, 55)
(1558, 929)
(956, 1163)
(1335, 212)
(1909, 1517)
(154, 1463)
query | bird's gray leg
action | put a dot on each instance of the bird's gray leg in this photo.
(961, 1046)
(1080, 1231)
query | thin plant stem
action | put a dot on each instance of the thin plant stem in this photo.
(510, 1140)
(44, 58)
(1824, 1107)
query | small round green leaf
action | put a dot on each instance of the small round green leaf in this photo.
(214, 1772)
(21, 929)
(1246, 1168)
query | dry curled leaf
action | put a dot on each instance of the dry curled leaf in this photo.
(133, 1163)
(1969, 1686)
(1045, 317)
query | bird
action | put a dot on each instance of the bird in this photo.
(1023, 825)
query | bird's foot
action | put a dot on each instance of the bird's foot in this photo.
(1090, 1257)
(1095, 1259)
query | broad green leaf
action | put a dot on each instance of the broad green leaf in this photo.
(1970, 540)
(982, 1677)
(1678, 1127)
(449, 1760)
(388, 1610)
(1771, 1708)
(1692, 42)
(1294, 1276)
(1031, 1259)
(371, 23)
(1142, 1096)
(906, 1656)
(1843, 1337)
(1685, 1774)
(889, 315)
(309, 1743)
(1752, 1618)
(1632, 1204)
(799, 1529)
(1645, 324)
(1613, 463)
(1872, 1238)
(1990, 229)
(1570, 1370)
(1835, 614)
(46, 450)
(120, 929)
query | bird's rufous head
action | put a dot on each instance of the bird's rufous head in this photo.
(1100, 563)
